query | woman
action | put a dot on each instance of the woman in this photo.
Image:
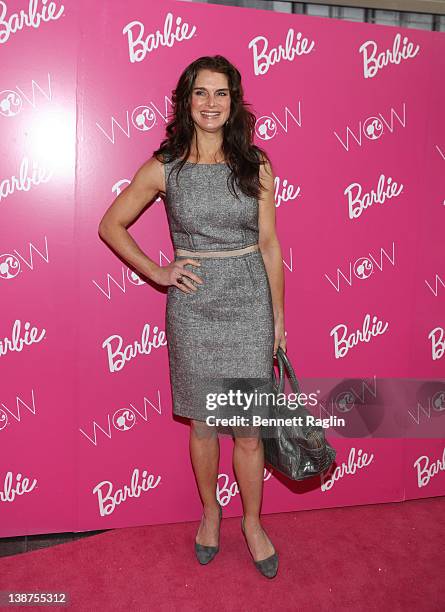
(225, 313)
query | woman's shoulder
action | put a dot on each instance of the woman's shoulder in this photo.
(165, 160)
(264, 160)
(158, 158)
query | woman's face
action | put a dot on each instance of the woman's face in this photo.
(210, 101)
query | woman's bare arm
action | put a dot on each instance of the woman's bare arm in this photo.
(148, 182)
(271, 251)
(268, 240)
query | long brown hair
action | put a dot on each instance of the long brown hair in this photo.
(242, 156)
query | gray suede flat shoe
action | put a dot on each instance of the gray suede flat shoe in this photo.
(269, 566)
(205, 554)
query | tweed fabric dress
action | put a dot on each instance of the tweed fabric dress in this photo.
(226, 328)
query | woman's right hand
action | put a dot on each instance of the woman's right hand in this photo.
(169, 275)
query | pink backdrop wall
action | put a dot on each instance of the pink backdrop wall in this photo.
(83, 103)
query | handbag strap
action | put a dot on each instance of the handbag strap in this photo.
(285, 364)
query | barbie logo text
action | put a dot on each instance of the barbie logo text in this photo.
(350, 467)
(359, 201)
(437, 338)
(15, 343)
(108, 500)
(425, 471)
(117, 357)
(372, 62)
(31, 18)
(264, 59)
(20, 487)
(343, 342)
(227, 490)
(284, 191)
(24, 182)
(138, 47)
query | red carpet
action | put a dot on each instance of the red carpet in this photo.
(386, 557)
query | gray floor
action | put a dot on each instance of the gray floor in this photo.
(22, 544)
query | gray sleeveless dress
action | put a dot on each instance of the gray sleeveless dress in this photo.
(225, 330)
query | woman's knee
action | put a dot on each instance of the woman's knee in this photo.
(247, 438)
(201, 430)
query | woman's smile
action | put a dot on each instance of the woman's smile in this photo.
(210, 114)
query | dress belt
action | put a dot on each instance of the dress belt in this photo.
(186, 253)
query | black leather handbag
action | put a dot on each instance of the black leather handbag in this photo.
(296, 451)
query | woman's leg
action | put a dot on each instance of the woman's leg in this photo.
(204, 452)
(248, 463)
